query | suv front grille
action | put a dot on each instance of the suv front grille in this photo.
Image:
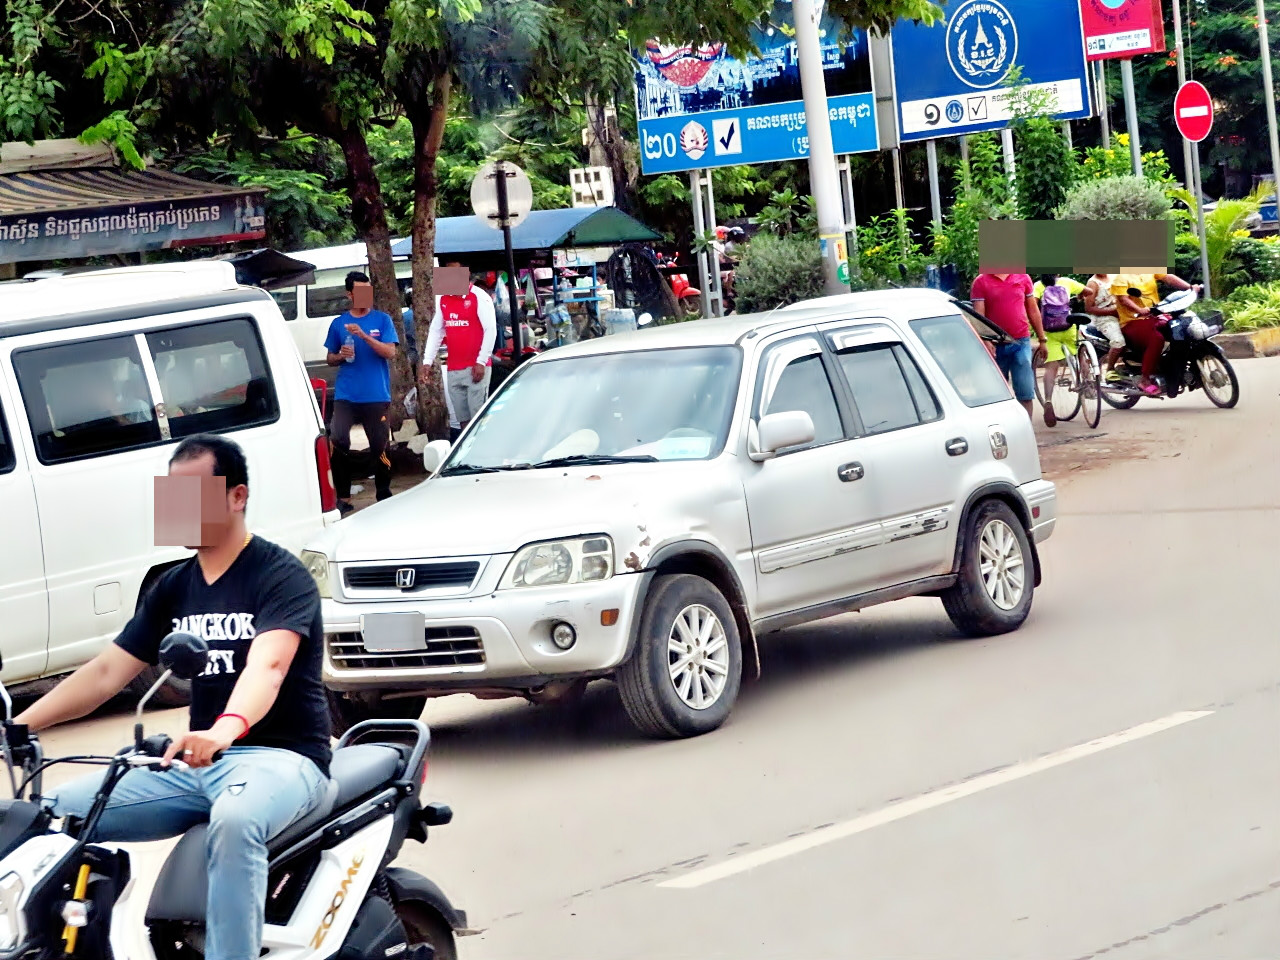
(445, 647)
(426, 576)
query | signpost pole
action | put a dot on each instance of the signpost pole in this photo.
(898, 196)
(935, 192)
(850, 208)
(1066, 134)
(1010, 165)
(1269, 96)
(1182, 78)
(713, 257)
(504, 218)
(1199, 194)
(1104, 105)
(1131, 115)
(699, 231)
(822, 158)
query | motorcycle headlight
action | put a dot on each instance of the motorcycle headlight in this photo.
(556, 562)
(317, 565)
(12, 923)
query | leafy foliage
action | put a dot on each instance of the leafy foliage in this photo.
(1253, 307)
(1103, 162)
(1116, 198)
(778, 270)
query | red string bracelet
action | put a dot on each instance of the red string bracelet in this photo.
(237, 716)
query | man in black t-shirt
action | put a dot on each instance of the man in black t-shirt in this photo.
(259, 698)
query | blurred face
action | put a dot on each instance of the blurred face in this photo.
(362, 296)
(193, 508)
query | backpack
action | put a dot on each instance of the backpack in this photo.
(1055, 309)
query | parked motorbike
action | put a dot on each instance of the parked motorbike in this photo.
(1191, 360)
(331, 891)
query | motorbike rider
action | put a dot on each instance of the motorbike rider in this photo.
(259, 701)
(1138, 320)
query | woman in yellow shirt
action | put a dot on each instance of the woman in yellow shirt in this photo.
(1136, 294)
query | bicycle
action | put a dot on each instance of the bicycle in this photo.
(1079, 383)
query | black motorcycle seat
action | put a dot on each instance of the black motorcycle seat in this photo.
(181, 888)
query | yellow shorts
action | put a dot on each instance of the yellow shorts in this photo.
(1060, 344)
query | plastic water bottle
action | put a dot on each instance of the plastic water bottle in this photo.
(350, 342)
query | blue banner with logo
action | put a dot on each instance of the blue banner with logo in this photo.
(949, 79)
(698, 107)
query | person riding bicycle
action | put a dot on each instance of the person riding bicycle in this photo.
(1054, 294)
(257, 753)
(1138, 321)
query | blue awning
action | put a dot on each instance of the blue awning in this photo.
(541, 230)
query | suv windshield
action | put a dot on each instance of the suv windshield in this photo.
(645, 405)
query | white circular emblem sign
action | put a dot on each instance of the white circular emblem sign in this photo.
(982, 43)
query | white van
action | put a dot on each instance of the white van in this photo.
(101, 375)
(310, 308)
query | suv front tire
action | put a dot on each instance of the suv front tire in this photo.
(683, 677)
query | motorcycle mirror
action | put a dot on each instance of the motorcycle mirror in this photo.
(183, 654)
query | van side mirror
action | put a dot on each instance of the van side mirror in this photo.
(184, 654)
(434, 454)
(777, 431)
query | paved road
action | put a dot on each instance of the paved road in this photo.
(1103, 783)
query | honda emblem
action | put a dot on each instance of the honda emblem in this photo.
(405, 578)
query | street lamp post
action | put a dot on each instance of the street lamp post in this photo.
(1269, 96)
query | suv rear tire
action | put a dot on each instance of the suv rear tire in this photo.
(345, 711)
(996, 575)
(684, 675)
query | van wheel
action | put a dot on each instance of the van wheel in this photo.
(683, 677)
(996, 580)
(175, 693)
(348, 709)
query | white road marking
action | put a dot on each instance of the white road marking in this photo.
(927, 801)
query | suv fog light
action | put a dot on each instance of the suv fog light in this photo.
(563, 636)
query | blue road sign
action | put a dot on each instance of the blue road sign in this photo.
(698, 107)
(949, 77)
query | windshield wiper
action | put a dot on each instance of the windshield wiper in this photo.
(461, 469)
(592, 459)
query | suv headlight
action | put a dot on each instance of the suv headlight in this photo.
(12, 923)
(555, 562)
(317, 565)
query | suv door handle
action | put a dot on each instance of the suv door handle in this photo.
(850, 472)
(958, 447)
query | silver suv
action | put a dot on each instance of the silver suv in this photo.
(646, 506)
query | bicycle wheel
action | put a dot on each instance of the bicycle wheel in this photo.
(1066, 388)
(1037, 373)
(1090, 385)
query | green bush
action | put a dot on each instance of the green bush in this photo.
(1116, 198)
(1259, 259)
(775, 271)
(1186, 254)
(1046, 168)
(1107, 162)
(1253, 307)
(886, 241)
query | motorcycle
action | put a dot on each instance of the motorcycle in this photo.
(1191, 360)
(331, 889)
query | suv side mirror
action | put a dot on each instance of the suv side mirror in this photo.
(184, 654)
(791, 428)
(434, 454)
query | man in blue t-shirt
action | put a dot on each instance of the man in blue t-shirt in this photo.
(361, 344)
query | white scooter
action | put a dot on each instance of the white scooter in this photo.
(331, 890)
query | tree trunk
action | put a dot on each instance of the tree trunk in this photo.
(369, 216)
(428, 122)
(606, 148)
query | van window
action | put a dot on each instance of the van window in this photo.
(213, 377)
(327, 301)
(287, 300)
(85, 399)
(7, 458)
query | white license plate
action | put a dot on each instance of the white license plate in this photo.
(393, 632)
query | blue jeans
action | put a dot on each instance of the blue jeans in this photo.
(248, 796)
(1014, 360)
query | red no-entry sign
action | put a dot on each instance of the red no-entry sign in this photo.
(1193, 111)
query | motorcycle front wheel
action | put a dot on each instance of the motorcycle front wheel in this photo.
(1219, 380)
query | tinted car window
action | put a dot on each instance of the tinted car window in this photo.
(963, 358)
(7, 458)
(287, 300)
(803, 385)
(86, 399)
(213, 377)
(327, 301)
(888, 388)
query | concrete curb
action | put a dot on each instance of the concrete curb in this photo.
(1246, 346)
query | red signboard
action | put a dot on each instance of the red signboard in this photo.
(1193, 111)
(1118, 29)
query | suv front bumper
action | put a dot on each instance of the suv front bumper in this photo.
(472, 641)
